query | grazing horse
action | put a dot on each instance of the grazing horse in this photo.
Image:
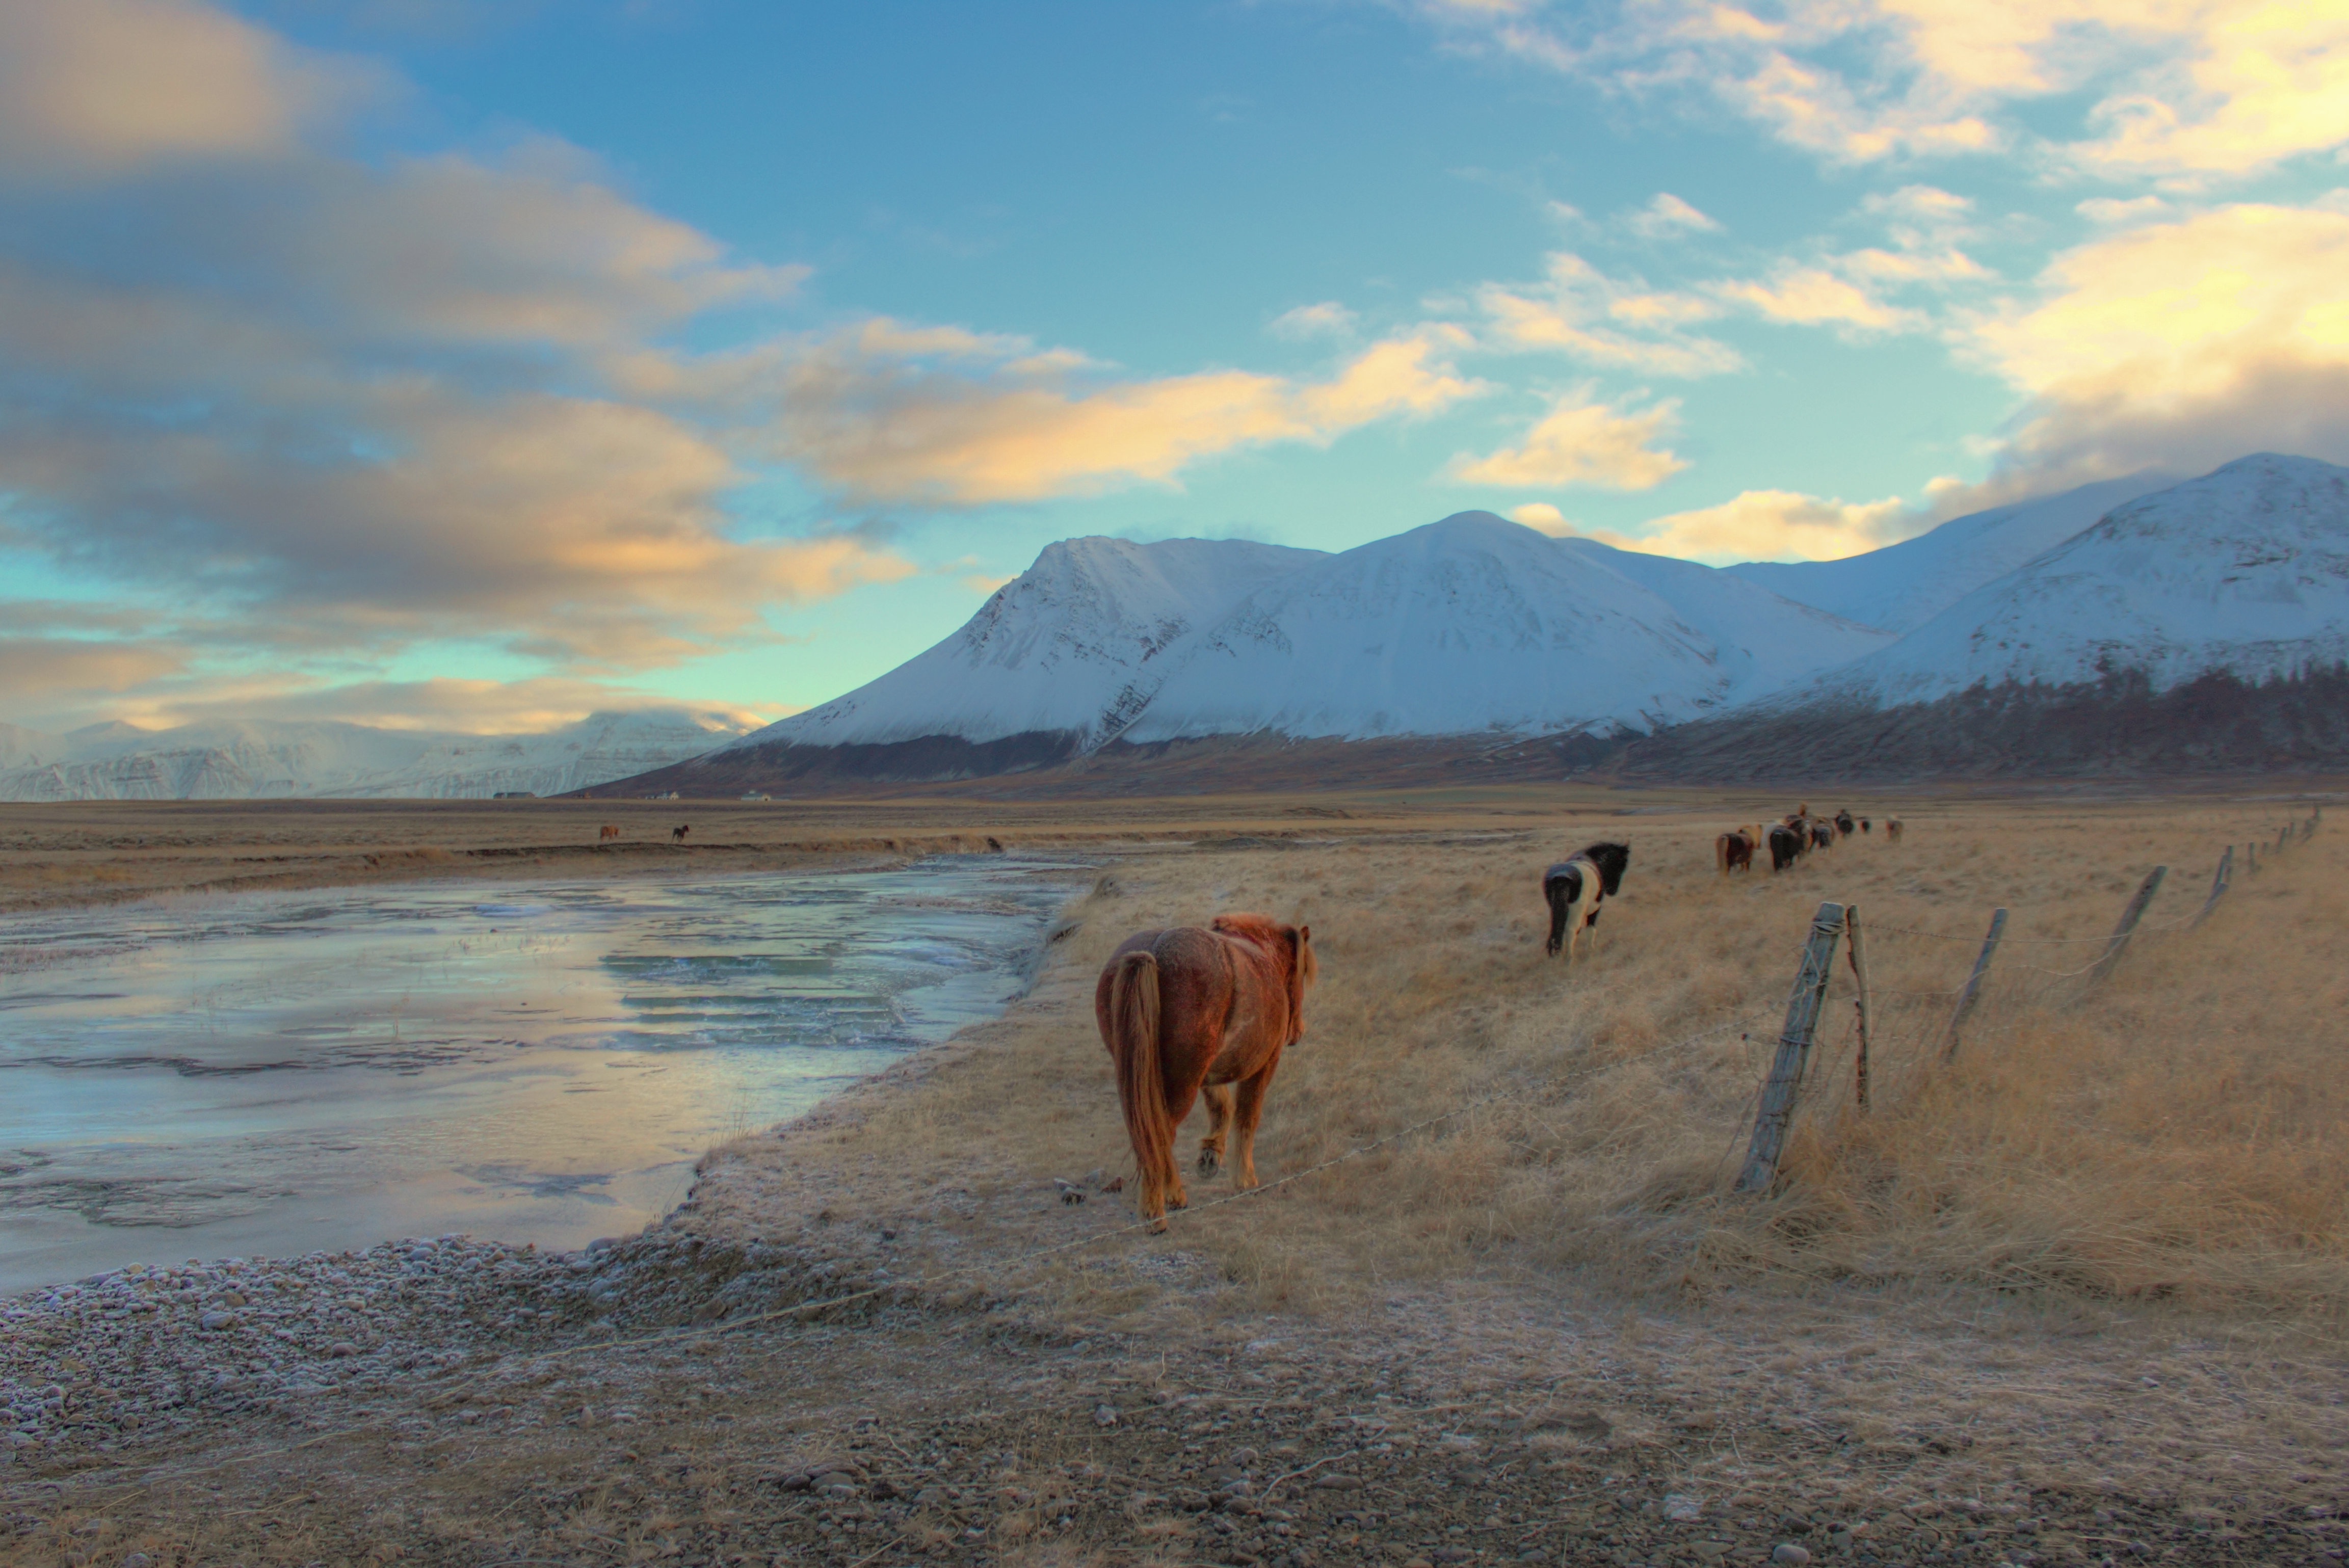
(1823, 835)
(1194, 1009)
(609, 833)
(677, 835)
(1865, 825)
(1576, 887)
(1844, 823)
(1786, 846)
(1733, 851)
(1892, 830)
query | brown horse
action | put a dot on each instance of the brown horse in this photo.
(609, 833)
(1195, 1009)
(1734, 851)
(677, 835)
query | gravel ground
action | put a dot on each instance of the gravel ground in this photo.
(455, 1401)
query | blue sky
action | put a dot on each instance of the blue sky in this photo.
(478, 364)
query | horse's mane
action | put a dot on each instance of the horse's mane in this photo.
(1251, 927)
(1610, 860)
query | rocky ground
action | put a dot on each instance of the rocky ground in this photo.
(453, 1401)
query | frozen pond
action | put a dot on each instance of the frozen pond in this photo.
(275, 1074)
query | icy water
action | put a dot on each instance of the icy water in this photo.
(263, 1074)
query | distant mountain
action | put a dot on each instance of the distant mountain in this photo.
(1064, 656)
(2204, 627)
(1470, 626)
(1902, 586)
(271, 761)
(2245, 569)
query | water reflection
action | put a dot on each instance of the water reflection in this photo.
(279, 1073)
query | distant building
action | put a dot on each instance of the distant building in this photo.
(754, 795)
(515, 795)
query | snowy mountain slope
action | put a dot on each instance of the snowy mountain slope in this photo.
(1469, 625)
(1075, 646)
(261, 761)
(1475, 623)
(1902, 586)
(2245, 569)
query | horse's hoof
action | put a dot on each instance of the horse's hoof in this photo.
(1179, 1201)
(1209, 1163)
(1158, 1226)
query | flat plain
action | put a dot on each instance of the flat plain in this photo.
(2071, 1293)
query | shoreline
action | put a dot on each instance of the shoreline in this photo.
(1014, 970)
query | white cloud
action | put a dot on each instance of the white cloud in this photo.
(2181, 345)
(1326, 319)
(1617, 323)
(1581, 442)
(2175, 89)
(1667, 216)
(1778, 525)
(878, 424)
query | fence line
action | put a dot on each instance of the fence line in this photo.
(1782, 1093)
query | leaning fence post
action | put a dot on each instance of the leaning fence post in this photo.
(1972, 993)
(2251, 858)
(1857, 953)
(2119, 941)
(1794, 1052)
(2218, 887)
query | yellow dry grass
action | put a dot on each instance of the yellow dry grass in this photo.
(2173, 1136)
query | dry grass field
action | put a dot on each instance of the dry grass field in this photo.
(2081, 1286)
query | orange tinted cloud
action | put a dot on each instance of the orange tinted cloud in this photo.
(863, 415)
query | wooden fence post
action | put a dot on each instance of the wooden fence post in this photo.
(1794, 1052)
(2119, 941)
(2219, 885)
(2251, 858)
(1967, 998)
(1858, 952)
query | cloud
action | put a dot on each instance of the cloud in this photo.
(876, 421)
(1617, 323)
(2114, 211)
(1581, 442)
(1326, 319)
(1815, 296)
(73, 668)
(2182, 89)
(2181, 345)
(1543, 518)
(1667, 216)
(1777, 525)
(462, 707)
(99, 88)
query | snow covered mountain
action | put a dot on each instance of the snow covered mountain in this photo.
(1902, 586)
(2245, 569)
(1472, 624)
(1076, 645)
(258, 761)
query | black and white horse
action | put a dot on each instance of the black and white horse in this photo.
(1844, 823)
(1786, 845)
(1822, 834)
(1576, 887)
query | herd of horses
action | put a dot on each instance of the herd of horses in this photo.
(1789, 839)
(1192, 1012)
(609, 833)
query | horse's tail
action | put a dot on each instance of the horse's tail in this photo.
(1720, 854)
(1555, 891)
(1140, 1080)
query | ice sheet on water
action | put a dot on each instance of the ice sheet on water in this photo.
(271, 1072)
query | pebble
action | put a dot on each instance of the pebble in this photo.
(1788, 1551)
(1682, 1509)
(1104, 1415)
(152, 1347)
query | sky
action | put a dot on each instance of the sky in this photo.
(479, 364)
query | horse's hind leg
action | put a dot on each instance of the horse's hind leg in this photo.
(1218, 1097)
(1246, 1114)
